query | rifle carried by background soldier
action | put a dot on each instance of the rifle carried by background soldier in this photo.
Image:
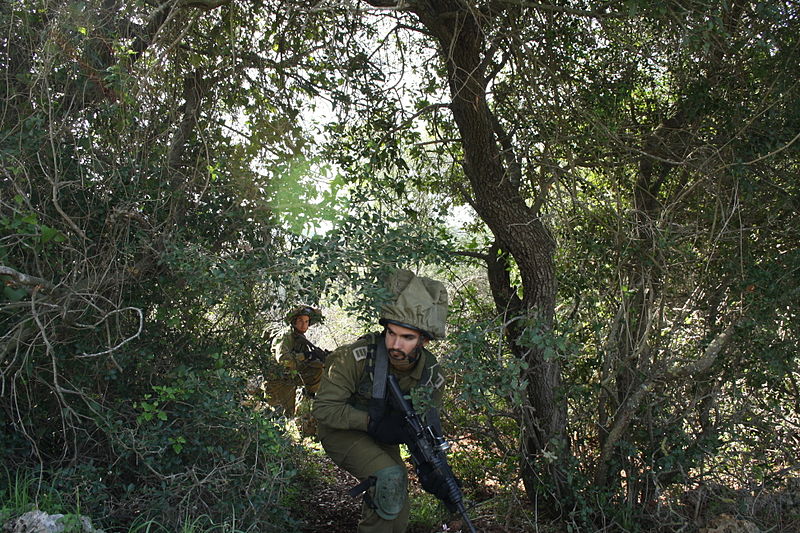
(428, 453)
(314, 353)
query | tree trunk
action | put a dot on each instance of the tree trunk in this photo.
(518, 231)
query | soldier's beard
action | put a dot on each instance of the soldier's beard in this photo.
(402, 360)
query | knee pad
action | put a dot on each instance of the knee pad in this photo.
(389, 492)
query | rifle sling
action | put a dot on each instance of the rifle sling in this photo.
(433, 420)
(362, 487)
(378, 364)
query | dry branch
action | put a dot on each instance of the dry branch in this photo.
(26, 279)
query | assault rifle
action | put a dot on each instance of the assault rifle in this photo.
(315, 353)
(428, 453)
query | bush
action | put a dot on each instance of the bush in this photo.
(185, 452)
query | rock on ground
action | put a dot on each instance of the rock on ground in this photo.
(41, 522)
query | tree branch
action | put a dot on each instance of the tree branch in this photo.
(514, 169)
(476, 255)
(710, 355)
(26, 279)
(563, 9)
(207, 5)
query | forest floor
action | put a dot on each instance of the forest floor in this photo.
(328, 508)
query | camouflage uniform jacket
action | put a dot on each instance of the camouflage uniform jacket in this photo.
(290, 349)
(343, 398)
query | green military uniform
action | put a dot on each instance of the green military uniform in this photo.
(357, 430)
(341, 408)
(291, 349)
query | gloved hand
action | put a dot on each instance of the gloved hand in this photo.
(320, 354)
(388, 430)
(316, 354)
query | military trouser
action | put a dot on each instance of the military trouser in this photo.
(282, 391)
(311, 375)
(359, 454)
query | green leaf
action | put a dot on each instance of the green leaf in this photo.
(50, 234)
(14, 295)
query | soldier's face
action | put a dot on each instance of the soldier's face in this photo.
(401, 343)
(301, 323)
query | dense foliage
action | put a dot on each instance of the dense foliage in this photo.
(610, 190)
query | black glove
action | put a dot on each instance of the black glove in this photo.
(434, 483)
(388, 430)
(317, 354)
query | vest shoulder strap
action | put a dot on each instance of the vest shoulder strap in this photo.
(379, 362)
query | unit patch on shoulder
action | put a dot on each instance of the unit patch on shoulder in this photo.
(439, 381)
(360, 353)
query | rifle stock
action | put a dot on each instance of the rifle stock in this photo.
(428, 451)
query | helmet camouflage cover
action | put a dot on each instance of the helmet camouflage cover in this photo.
(419, 303)
(314, 315)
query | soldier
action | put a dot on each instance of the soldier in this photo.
(301, 360)
(358, 429)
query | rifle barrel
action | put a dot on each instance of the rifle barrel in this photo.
(465, 517)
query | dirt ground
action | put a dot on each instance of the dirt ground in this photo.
(329, 509)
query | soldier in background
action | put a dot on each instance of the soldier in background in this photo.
(299, 359)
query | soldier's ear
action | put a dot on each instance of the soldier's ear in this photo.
(425, 341)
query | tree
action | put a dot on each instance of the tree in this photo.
(633, 167)
(140, 255)
(640, 115)
(156, 188)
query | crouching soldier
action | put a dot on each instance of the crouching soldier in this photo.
(300, 360)
(357, 427)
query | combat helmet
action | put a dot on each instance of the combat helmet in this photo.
(314, 315)
(418, 303)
